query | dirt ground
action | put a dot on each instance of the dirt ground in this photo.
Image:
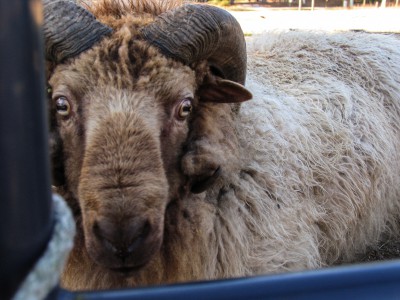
(255, 20)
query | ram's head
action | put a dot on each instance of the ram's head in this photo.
(137, 106)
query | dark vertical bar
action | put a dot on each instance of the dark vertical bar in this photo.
(25, 199)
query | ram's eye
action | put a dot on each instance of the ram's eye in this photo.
(184, 109)
(62, 106)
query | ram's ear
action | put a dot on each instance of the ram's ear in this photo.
(216, 89)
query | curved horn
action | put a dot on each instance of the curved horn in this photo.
(194, 32)
(69, 29)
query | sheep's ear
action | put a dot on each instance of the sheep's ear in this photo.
(219, 90)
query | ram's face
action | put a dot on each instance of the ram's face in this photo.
(126, 118)
(123, 125)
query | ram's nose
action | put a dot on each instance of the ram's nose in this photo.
(121, 239)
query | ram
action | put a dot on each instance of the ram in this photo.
(170, 178)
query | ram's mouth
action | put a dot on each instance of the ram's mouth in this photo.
(127, 271)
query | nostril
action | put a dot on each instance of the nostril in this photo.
(103, 237)
(136, 241)
(121, 238)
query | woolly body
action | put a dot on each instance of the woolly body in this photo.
(325, 136)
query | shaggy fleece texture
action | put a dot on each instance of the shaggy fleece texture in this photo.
(323, 130)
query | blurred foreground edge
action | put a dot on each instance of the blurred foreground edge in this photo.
(363, 281)
(25, 206)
